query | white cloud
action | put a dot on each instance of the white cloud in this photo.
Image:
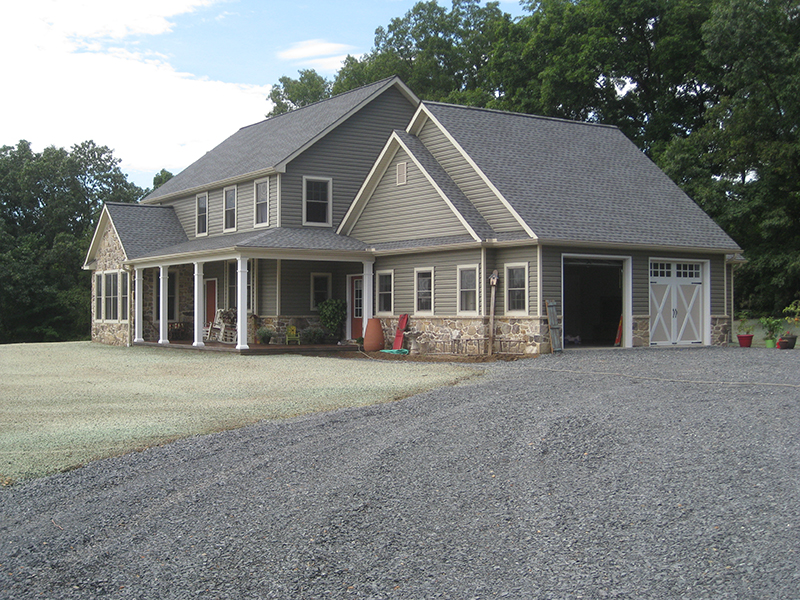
(313, 49)
(65, 85)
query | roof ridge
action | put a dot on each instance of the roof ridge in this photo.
(360, 88)
(507, 113)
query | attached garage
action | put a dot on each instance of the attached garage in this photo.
(592, 301)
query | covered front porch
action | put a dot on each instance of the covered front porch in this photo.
(176, 298)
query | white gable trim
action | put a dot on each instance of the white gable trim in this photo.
(104, 221)
(375, 176)
(415, 126)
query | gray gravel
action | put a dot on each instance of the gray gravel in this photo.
(596, 474)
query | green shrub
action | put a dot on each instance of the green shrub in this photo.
(312, 335)
(264, 335)
(332, 314)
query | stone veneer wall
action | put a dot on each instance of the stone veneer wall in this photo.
(641, 330)
(721, 327)
(470, 336)
(110, 256)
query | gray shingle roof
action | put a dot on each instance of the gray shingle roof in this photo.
(144, 229)
(579, 182)
(269, 143)
(447, 185)
(283, 238)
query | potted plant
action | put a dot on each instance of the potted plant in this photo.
(745, 329)
(771, 326)
(792, 312)
(264, 335)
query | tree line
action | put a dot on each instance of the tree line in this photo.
(708, 89)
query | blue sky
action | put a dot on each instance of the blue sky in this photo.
(161, 82)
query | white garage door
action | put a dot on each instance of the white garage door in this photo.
(676, 303)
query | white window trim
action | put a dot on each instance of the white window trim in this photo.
(329, 222)
(433, 288)
(461, 311)
(329, 277)
(402, 173)
(390, 273)
(101, 293)
(505, 289)
(255, 202)
(197, 214)
(225, 208)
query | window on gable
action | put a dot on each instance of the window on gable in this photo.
(202, 214)
(468, 289)
(385, 292)
(317, 201)
(229, 195)
(262, 202)
(516, 289)
(320, 289)
(423, 290)
(402, 169)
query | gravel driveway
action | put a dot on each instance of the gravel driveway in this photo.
(597, 474)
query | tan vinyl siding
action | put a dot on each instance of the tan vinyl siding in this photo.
(414, 210)
(464, 175)
(245, 210)
(514, 256)
(445, 279)
(267, 287)
(296, 283)
(360, 140)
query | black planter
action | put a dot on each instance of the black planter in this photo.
(787, 342)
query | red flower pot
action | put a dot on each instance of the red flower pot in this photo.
(745, 339)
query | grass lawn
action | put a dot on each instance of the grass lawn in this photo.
(63, 405)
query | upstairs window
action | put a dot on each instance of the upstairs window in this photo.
(202, 214)
(402, 169)
(317, 201)
(229, 195)
(262, 202)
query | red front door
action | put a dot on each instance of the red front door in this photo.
(356, 306)
(211, 300)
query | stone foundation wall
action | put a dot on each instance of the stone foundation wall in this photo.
(641, 330)
(721, 327)
(470, 336)
(113, 334)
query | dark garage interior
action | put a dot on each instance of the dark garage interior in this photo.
(592, 302)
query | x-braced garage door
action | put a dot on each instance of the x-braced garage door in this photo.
(676, 303)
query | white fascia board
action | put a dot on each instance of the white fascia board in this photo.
(104, 221)
(235, 252)
(419, 120)
(441, 193)
(371, 182)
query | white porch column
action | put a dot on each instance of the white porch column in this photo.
(137, 298)
(199, 314)
(369, 294)
(163, 312)
(241, 304)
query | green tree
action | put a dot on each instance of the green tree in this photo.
(290, 94)
(160, 178)
(441, 54)
(49, 206)
(743, 164)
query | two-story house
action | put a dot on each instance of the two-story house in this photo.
(402, 207)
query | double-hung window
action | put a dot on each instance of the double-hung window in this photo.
(385, 292)
(202, 214)
(111, 296)
(423, 291)
(229, 209)
(517, 289)
(317, 201)
(320, 289)
(261, 193)
(468, 290)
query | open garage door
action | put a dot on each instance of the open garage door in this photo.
(593, 291)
